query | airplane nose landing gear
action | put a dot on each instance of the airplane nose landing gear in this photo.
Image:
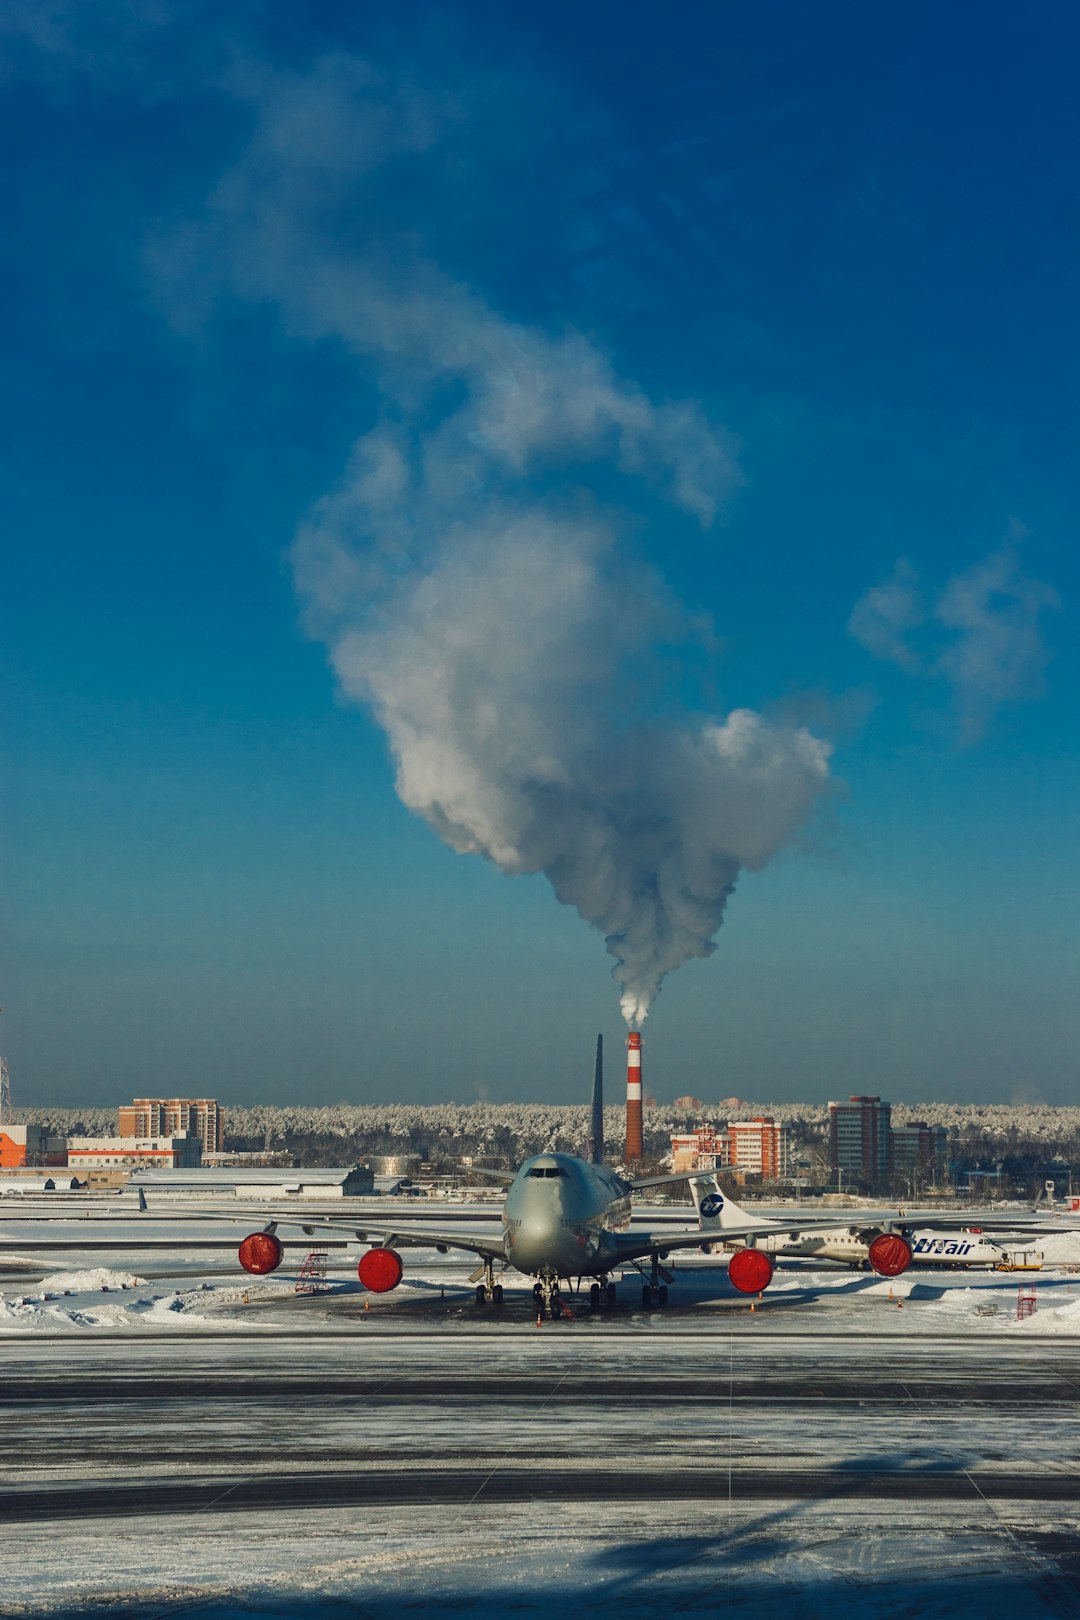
(547, 1295)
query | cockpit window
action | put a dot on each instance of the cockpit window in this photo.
(537, 1170)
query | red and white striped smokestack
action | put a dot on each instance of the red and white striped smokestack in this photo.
(635, 1141)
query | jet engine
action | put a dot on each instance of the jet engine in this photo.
(260, 1253)
(380, 1270)
(889, 1254)
(750, 1270)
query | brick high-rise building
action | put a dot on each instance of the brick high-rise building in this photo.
(760, 1146)
(172, 1116)
(860, 1139)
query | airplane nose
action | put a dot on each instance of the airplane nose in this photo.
(532, 1243)
(541, 1243)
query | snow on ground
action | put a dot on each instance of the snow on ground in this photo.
(834, 1557)
(69, 1300)
(173, 1284)
(786, 1562)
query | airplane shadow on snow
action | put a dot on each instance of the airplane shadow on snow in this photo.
(755, 1569)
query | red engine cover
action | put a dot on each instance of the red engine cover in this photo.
(380, 1270)
(750, 1270)
(260, 1253)
(889, 1254)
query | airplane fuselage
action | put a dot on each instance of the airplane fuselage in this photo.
(561, 1217)
(848, 1247)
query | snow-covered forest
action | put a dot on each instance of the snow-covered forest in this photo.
(345, 1132)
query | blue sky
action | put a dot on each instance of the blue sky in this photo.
(818, 266)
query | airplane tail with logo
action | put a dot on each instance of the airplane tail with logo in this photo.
(717, 1209)
(714, 1209)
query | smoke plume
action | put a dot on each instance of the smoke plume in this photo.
(512, 641)
(474, 575)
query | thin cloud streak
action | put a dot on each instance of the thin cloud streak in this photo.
(981, 634)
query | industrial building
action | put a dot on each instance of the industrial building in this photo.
(30, 1145)
(702, 1149)
(172, 1116)
(130, 1152)
(21, 1186)
(249, 1182)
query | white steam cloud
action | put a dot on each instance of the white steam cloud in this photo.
(981, 633)
(502, 624)
(511, 645)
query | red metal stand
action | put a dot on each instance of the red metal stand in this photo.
(311, 1278)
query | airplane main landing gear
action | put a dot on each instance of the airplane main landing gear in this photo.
(601, 1292)
(489, 1289)
(654, 1292)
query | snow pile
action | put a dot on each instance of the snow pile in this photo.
(1059, 1249)
(888, 1287)
(1052, 1314)
(79, 1282)
(61, 1306)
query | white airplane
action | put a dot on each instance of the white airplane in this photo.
(850, 1244)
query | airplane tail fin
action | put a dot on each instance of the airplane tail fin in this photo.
(596, 1125)
(716, 1208)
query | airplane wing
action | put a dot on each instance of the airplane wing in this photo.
(408, 1237)
(489, 1248)
(640, 1182)
(404, 1236)
(636, 1245)
(951, 1220)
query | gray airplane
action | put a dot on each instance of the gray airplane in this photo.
(564, 1219)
